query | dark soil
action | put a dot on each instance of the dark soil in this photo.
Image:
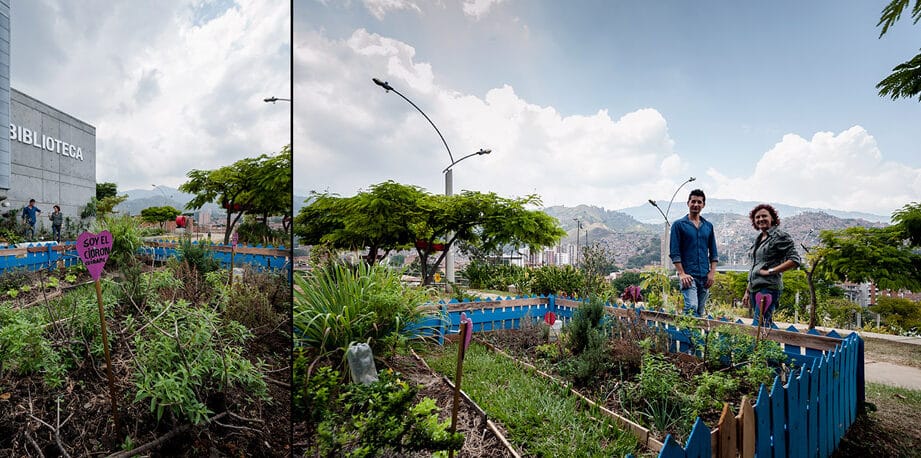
(76, 419)
(479, 440)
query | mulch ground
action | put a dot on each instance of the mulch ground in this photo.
(76, 419)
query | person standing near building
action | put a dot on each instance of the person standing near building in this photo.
(692, 248)
(772, 253)
(57, 220)
(30, 216)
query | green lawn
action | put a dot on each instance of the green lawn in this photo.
(541, 417)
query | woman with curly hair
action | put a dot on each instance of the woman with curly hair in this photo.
(772, 253)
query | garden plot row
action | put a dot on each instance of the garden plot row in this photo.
(806, 416)
(40, 256)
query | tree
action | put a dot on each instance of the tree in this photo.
(905, 79)
(887, 256)
(395, 216)
(104, 190)
(260, 186)
(159, 214)
(375, 219)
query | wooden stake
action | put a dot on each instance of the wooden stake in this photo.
(233, 251)
(105, 348)
(457, 378)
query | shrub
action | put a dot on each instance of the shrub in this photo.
(585, 322)
(336, 305)
(368, 420)
(556, 279)
(198, 255)
(191, 356)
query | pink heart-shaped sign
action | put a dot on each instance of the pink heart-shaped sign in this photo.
(468, 333)
(94, 250)
(764, 301)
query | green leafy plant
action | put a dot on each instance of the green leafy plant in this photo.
(198, 255)
(367, 420)
(53, 282)
(189, 357)
(336, 305)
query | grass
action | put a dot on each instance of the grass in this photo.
(541, 417)
(904, 354)
(893, 429)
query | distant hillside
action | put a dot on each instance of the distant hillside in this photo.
(646, 213)
(139, 199)
(734, 233)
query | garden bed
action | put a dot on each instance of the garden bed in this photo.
(541, 417)
(54, 392)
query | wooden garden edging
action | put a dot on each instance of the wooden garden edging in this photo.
(806, 417)
(35, 257)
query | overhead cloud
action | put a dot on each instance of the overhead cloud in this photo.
(354, 134)
(479, 8)
(380, 8)
(170, 86)
(844, 171)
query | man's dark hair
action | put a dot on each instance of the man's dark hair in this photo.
(699, 193)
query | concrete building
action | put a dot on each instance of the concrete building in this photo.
(49, 155)
(53, 157)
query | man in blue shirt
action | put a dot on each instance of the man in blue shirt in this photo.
(692, 248)
(29, 216)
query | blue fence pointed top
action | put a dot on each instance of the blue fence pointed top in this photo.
(791, 328)
(777, 387)
(671, 448)
(699, 439)
(813, 332)
(834, 334)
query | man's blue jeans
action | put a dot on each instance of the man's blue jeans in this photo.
(695, 296)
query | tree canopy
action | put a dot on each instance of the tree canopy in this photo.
(905, 79)
(159, 214)
(392, 216)
(259, 186)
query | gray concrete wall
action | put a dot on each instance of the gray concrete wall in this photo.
(53, 158)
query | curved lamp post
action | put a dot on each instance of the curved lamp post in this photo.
(665, 238)
(448, 171)
(274, 99)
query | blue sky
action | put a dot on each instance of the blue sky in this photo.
(609, 102)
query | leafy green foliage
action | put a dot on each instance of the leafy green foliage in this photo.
(251, 185)
(392, 216)
(160, 214)
(902, 314)
(714, 388)
(367, 420)
(24, 348)
(485, 275)
(190, 355)
(586, 321)
(335, 306)
(198, 255)
(541, 418)
(566, 280)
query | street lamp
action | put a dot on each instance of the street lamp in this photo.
(274, 99)
(665, 239)
(578, 226)
(449, 177)
(158, 188)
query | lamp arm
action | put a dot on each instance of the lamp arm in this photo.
(451, 156)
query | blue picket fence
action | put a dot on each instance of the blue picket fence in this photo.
(37, 256)
(806, 417)
(257, 256)
(40, 256)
